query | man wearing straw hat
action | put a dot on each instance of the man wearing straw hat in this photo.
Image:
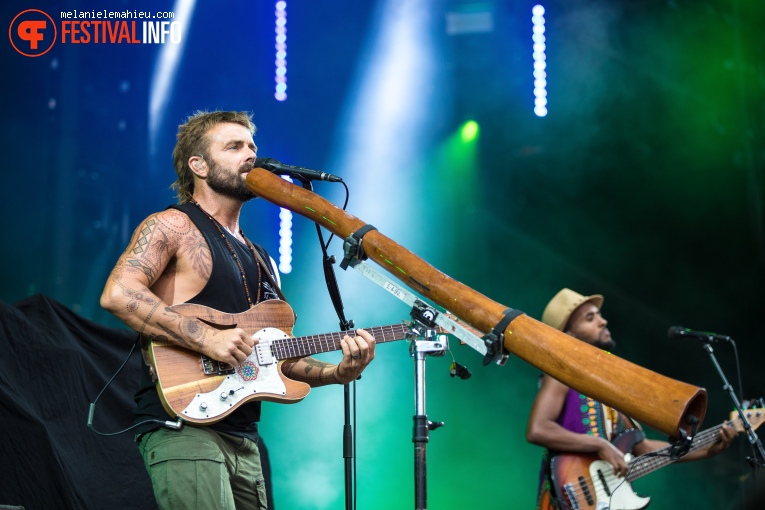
(564, 421)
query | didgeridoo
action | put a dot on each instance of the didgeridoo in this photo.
(663, 403)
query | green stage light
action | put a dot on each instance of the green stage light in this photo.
(469, 131)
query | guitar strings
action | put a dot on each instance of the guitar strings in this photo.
(305, 345)
(289, 348)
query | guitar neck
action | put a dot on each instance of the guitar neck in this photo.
(314, 344)
(651, 462)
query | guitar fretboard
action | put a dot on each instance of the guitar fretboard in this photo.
(314, 344)
(651, 462)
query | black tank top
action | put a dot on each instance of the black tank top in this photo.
(225, 292)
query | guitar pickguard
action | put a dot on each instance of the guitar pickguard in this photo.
(612, 491)
(258, 374)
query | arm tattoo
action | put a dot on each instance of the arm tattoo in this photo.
(187, 326)
(199, 254)
(143, 237)
(175, 336)
(134, 296)
(193, 329)
(152, 247)
(314, 363)
(314, 371)
(146, 320)
(145, 269)
(176, 222)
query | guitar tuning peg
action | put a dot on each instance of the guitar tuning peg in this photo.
(745, 404)
(761, 402)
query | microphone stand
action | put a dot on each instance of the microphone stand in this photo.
(345, 325)
(425, 340)
(751, 434)
(423, 343)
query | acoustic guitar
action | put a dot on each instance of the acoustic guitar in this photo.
(203, 391)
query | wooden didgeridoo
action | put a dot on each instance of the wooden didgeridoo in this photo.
(665, 404)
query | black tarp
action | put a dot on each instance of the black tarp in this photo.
(53, 364)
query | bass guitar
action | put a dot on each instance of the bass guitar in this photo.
(203, 391)
(583, 481)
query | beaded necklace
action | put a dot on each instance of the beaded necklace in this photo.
(233, 254)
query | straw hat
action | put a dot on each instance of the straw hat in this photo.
(559, 309)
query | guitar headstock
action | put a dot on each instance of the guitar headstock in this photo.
(754, 416)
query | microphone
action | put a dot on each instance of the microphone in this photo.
(679, 333)
(298, 172)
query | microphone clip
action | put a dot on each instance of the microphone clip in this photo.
(682, 445)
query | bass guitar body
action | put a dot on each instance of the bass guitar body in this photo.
(584, 481)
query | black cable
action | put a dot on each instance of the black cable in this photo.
(92, 408)
(738, 370)
(345, 204)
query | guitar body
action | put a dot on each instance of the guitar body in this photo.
(203, 391)
(584, 481)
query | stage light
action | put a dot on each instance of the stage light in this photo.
(383, 133)
(165, 69)
(469, 131)
(285, 236)
(540, 57)
(280, 77)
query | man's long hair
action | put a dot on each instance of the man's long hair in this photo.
(192, 140)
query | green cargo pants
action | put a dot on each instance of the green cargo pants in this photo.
(197, 467)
